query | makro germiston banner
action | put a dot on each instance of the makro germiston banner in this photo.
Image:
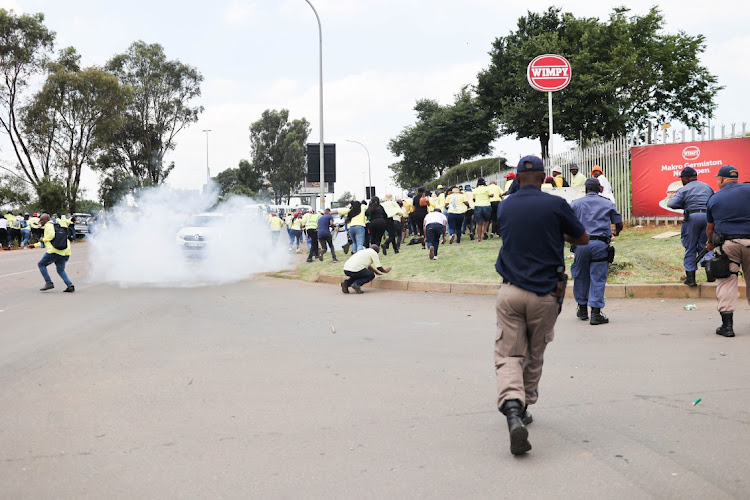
(655, 170)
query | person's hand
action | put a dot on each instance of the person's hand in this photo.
(709, 246)
(387, 269)
(443, 240)
(30, 247)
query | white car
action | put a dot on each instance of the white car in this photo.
(200, 229)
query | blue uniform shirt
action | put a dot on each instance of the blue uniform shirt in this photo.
(324, 225)
(729, 209)
(692, 196)
(596, 213)
(532, 224)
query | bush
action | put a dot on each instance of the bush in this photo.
(468, 171)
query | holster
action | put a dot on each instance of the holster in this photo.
(562, 283)
(685, 216)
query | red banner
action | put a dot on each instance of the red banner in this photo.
(655, 170)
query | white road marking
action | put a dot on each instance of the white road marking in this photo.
(36, 270)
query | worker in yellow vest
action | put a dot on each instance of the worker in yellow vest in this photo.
(495, 197)
(58, 253)
(310, 226)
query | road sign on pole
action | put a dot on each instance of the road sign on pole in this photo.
(549, 73)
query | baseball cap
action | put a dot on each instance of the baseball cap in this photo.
(688, 172)
(535, 164)
(510, 175)
(728, 171)
(592, 183)
(597, 168)
(557, 169)
(440, 186)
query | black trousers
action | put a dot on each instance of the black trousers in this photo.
(359, 277)
(327, 240)
(394, 233)
(312, 235)
(419, 222)
(377, 230)
(493, 227)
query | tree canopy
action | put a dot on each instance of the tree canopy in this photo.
(245, 180)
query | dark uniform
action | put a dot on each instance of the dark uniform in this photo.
(692, 198)
(532, 225)
(728, 214)
(591, 265)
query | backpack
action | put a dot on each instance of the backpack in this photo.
(60, 241)
(424, 201)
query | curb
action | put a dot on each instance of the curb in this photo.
(615, 291)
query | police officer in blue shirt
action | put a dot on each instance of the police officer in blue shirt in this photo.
(533, 226)
(591, 264)
(692, 197)
(728, 229)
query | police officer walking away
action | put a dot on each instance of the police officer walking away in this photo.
(728, 229)
(591, 264)
(533, 226)
(692, 198)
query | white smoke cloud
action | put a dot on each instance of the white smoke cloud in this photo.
(140, 244)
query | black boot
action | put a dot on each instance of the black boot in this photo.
(519, 435)
(690, 278)
(47, 286)
(526, 418)
(583, 312)
(727, 322)
(597, 318)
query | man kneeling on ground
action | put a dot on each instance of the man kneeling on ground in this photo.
(361, 268)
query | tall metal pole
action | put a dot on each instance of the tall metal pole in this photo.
(208, 171)
(369, 170)
(549, 144)
(322, 164)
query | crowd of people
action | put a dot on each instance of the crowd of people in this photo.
(20, 229)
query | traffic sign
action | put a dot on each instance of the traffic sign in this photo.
(548, 73)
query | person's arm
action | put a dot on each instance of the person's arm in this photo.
(618, 228)
(710, 233)
(380, 270)
(444, 224)
(676, 201)
(581, 240)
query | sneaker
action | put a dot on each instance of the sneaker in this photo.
(458, 243)
(346, 247)
(453, 238)
(485, 236)
(432, 253)
(309, 260)
(334, 260)
(385, 250)
(70, 289)
(435, 257)
(344, 288)
(47, 286)
(357, 288)
(320, 257)
(479, 240)
(471, 236)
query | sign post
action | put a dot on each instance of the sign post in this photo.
(549, 73)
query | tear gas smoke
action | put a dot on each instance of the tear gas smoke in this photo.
(160, 240)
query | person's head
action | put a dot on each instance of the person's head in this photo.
(376, 248)
(688, 174)
(455, 190)
(328, 211)
(727, 175)
(593, 186)
(44, 218)
(556, 171)
(26, 216)
(530, 171)
(389, 197)
(573, 168)
(480, 182)
(549, 180)
(420, 190)
(596, 171)
(510, 175)
(354, 210)
(493, 182)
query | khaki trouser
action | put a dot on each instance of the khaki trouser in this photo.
(525, 325)
(726, 290)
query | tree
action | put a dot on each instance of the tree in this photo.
(114, 186)
(243, 180)
(626, 72)
(24, 47)
(14, 190)
(278, 151)
(345, 198)
(442, 137)
(51, 195)
(67, 121)
(159, 109)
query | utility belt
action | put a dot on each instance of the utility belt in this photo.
(686, 214)
(736, 237)
(719, 264)
(610, 258)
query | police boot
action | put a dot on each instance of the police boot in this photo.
(727, 322)
(583, 312)
(519, 435)
(690, 278)
(597, 318)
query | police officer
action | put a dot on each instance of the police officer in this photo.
(591, 263)
(728, 229)
(692, 198)
(533, 227)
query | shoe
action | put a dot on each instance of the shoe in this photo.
(471, 236)
(583, 312)
(309, 260)
(690, 279)
(385, 250)
(479, 240)
(47, 286)
(346, 247)
(453, 238)
(320, 257)
(423, 247)
(435, 258)
(344, 288)
(432, 253)
(459, 243)
(597, 318)
(519, 435)
(357, 288)
(485, 236)
(334, 260)
(70, 289)
(526, 418)
(727, 323)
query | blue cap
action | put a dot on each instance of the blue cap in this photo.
(593, 183)
(688, 172)
(728, 171)
(535, 164)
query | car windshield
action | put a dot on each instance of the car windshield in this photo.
(203, 221)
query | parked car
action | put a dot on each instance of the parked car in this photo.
(199, 230)
(81, 223)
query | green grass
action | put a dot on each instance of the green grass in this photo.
(639, 259)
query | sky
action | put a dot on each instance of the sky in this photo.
(379, 58)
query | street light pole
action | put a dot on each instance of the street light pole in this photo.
(369, 171)
(208, 171)
(322, 165)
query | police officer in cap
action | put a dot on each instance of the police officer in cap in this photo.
(692, 198)
(533, 226)
(591, 264)
(728, 229)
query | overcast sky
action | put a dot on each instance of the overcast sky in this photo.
(379, 57)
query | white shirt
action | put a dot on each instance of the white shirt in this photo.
(435, 217)
(607, 191)
(3, 223)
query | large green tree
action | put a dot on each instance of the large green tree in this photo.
(626, 71)
(14, 191)
(161, 106)
(243, 180)
(443, 136)
(278, 151)
(68, 120)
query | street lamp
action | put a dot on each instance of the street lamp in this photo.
(364, 186)
(322, 169)
(369, 171)
(208, 171)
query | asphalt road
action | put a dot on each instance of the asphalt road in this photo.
(245, 391)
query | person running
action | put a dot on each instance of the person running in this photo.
(361, 269)
(59, 257)
(356, 221)
(457, 206)
(421, 205)
(324, 234)
(434, 228)
(377, 216)
(482, 209)
(296, 231)
(310, 226)
(393, 223)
